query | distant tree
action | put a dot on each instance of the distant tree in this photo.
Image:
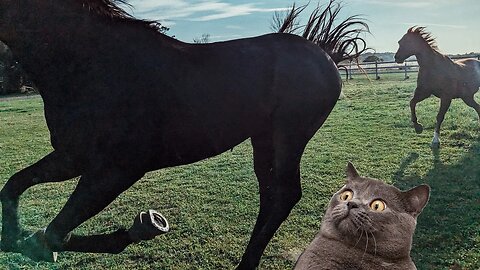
(205, 38)
(372, 59)
(11, 74)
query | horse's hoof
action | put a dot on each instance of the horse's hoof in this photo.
(36, 248)
(9, 246)
(418, 128)
(147, 225)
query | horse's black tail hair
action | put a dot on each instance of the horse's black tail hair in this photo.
(341, 41)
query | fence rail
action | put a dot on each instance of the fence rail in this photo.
(351, 69)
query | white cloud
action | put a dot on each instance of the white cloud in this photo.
(199, 10)
(234, 27)
(406, 4)
(225, 37)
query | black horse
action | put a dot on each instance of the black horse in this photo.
(122, 99)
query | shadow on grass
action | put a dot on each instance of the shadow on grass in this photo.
(448, 230)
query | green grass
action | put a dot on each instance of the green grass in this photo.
(212, 205)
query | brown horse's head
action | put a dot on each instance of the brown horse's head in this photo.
(414, 41)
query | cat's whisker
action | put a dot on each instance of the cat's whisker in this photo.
(366, 246)
(358, 224)
(374, 244)
(358, 228)
(361, 234)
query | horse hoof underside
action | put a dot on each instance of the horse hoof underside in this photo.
(36, 248)
(147, 225)
(418, 128)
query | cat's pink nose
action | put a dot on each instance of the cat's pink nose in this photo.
(351, 205)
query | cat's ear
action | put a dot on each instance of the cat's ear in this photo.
(351, 172)
(415, 199)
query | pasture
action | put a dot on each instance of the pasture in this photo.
(212, 205)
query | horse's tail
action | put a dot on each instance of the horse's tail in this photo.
(341, 41)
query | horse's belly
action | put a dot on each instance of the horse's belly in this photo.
(180, 149)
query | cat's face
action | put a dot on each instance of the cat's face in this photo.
(373, 216)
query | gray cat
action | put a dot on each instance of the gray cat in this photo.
(368, 225)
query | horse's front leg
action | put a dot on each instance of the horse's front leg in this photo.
(418, 96)
(54, 167)
(146, 226)
(94, 191)
(444, 105)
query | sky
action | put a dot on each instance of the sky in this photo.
(454, 23)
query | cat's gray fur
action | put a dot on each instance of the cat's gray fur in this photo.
(354, 237)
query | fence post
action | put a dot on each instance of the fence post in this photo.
(351, 71)
(405, 67)
(376, 71)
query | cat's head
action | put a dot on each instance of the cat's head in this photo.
(373, 216)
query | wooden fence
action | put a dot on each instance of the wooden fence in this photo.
(352, 69)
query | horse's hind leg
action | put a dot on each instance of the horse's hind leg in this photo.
(263, 165)
(54, 167)
(444, 105)
(277, 168)
(470, 101)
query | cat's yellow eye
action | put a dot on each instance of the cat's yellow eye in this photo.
(378, 205)
(347, 195)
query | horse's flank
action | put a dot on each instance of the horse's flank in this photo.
(445, 77)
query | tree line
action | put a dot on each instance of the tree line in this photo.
(12, 78)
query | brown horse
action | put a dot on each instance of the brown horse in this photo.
(438, 75)
(122, 99)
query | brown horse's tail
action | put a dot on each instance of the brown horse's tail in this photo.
(341, 41)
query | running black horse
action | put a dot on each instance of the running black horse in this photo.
(122, 99)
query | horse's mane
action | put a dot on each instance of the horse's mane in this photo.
(110, 9)
(427, 36)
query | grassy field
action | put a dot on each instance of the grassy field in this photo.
(212, 205)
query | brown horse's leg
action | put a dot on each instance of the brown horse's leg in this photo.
(277, 168)
(470, 101)
(418, 96)
(95, 190)
(54, 167)
(444, 105)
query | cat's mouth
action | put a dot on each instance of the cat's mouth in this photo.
(339, 214)
(346, 220)
(354, 222)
